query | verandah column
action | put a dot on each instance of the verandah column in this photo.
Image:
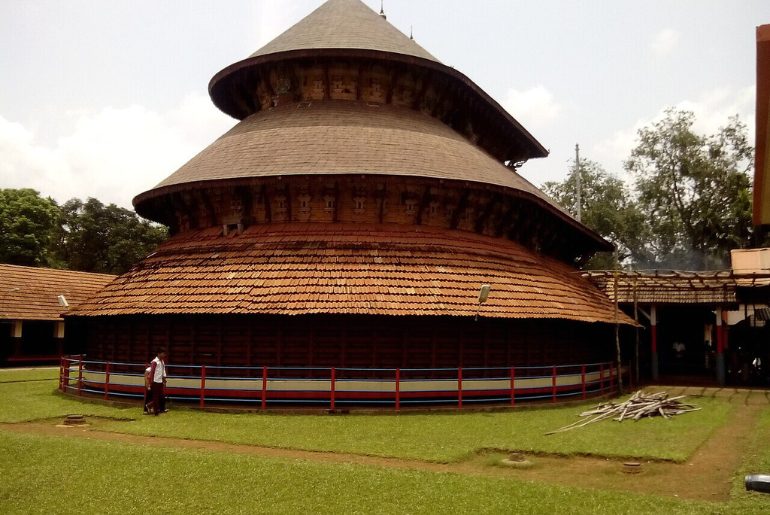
(720, 348)
(654, 340)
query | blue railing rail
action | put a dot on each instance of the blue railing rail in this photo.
(332, 387)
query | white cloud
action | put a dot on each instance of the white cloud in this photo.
(664, 42)
(112, 154)
(534, 107)
(714, 107)
(712, 110)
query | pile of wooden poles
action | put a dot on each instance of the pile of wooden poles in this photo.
(639, 405)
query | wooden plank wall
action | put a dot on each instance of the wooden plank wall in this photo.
(344, 341)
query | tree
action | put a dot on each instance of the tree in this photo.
(27, 222)
(694, 190)
(93, 237)
(608, 208)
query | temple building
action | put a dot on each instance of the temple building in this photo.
(350, 219)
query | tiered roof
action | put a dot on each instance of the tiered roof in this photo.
(344, 268)
(291, 269)
(349, 29)
(347, 24)
(341, 137)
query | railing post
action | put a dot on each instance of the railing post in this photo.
(333, 386)
(264, 388)
(513, 386)
(460, 387)
(80, 376)
(107, 380)
(203, 387)
(583, 380)
(601, 377)
(553, 384)
(61, 373)
(66, 383)
(398, 389)
(612, 377)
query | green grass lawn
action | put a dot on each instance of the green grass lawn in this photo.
(59, 475)
(25, 401)
(28, 374)
(445, 437)
(757, 461)
(62, 475)
(442, 437)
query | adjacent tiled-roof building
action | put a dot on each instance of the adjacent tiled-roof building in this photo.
(32, 301)
(351, 217)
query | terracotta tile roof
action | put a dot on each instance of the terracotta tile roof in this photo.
(340, 137)
(294, 269)
(344, 24)
(28, 293)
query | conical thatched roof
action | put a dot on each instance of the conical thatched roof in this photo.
(344, 24)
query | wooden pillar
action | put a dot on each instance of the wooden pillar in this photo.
(433, 346)
(167, 322)
(249, 343)
(17, 328)
(311, 347)
(485, 341)
(219, 342)
(618, 357)
(720, 364)
(58, 334)
(404, 339)
(636, 336)
(195, 358)
(654, 340)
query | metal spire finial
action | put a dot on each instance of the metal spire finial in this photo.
(382, 9)
(411, 32)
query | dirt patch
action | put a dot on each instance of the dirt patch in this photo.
(708, 475)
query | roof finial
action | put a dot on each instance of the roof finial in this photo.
(411, 32)
(382, 9)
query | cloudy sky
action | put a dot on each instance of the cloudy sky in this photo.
(105, 99)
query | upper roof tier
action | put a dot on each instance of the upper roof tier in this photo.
(344, 24)
(344, 40)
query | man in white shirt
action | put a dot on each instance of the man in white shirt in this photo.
(158, 385)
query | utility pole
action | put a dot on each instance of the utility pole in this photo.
(578, 183)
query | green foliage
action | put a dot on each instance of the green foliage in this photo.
(93, 237)
(694, 190)
(691, 202)
(27, 222)
(86, 236)
(608, 208)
